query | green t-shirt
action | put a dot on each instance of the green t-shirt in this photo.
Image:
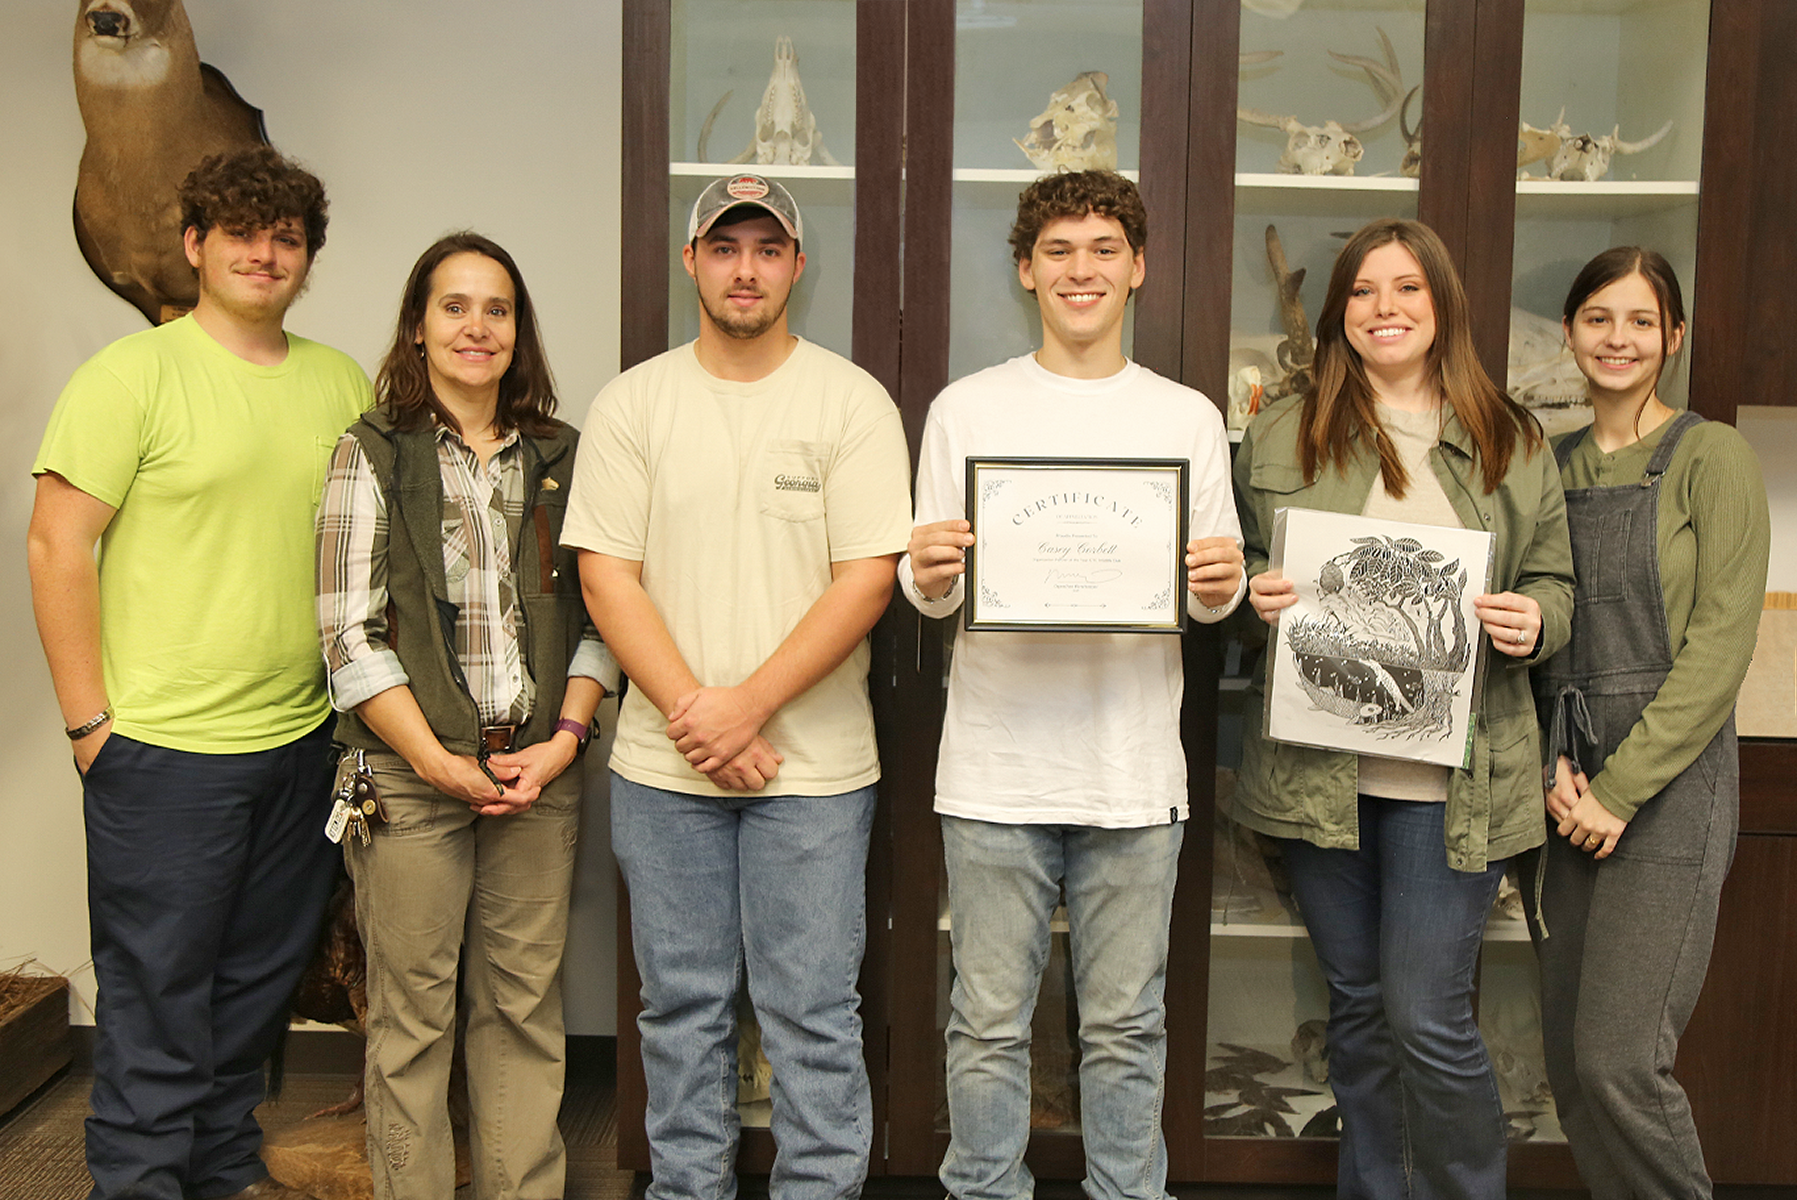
(1714, 537)
(208, 635)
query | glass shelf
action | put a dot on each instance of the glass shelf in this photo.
(1014, 179)
(785, 172)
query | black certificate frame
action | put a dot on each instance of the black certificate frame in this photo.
(992, 605)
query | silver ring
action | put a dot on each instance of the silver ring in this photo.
(1519, 637)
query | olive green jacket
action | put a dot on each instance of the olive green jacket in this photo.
(1494, 809)
(420, 616)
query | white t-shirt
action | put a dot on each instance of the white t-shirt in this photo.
(737, 498)
(1066, 728)
(1425, 503)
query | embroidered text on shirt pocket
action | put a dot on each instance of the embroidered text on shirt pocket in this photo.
(791, 482)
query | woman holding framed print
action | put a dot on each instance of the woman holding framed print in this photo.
(466, 672)
(1671, 534)
(1394, 863)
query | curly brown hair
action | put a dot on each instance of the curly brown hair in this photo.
(1341, 407)
(1074, 194)
(249, 190)
(526, 391)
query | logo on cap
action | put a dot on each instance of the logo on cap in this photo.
(747, 187)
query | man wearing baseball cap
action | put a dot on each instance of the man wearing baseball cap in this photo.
(740, 503)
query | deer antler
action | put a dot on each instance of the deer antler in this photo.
(1412, 165)
(1623, 147)
(1410, 135)
(1387, 81)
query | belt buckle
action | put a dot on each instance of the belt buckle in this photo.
(497, 739)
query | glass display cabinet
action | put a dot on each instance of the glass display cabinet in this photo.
(1613, 99)
(1018, 69)
(920, 105)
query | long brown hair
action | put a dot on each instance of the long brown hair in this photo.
(403, 384)
(1339, 409)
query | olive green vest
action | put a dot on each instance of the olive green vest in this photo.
(420, 616)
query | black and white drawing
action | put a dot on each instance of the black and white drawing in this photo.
(1377, 656)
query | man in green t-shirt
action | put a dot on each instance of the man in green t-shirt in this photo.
(185, 661)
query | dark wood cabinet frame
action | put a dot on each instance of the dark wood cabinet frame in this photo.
(1739, 1058)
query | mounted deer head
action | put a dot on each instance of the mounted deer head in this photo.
(152, 110)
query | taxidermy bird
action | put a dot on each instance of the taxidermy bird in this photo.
(152, 110)
(334, 989)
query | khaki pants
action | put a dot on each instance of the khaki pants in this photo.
(440, 886)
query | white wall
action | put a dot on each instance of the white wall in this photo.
(420, 119)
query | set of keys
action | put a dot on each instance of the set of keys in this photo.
(356, 805)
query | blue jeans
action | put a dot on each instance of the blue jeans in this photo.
(1003, 883)
(777, 885)
(207, 877)
(1397, 932)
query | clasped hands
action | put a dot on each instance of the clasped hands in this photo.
(718, 731)
(1584, 822)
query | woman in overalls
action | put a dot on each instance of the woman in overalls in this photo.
(1670, 538)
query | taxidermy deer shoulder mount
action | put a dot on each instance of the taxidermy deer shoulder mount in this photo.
(152, 110)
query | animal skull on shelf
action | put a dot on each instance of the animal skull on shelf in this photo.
(1542, 373)
(1331, 148)
(785, 127)
(1078, 129)
(1575, 157)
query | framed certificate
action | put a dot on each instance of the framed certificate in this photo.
(1077, 545)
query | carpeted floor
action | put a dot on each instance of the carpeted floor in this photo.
(41, 1159)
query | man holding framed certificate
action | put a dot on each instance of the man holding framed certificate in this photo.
(1067, 498)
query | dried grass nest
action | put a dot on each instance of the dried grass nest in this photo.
(24, 985)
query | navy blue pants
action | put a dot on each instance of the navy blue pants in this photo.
(207, 877)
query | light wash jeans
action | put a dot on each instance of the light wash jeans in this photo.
(1003, 883)
(1397, 932)
(777, 885)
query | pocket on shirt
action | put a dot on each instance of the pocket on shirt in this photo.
(322, 449)
(1276, 478)
(455, 551)
(791, 483)
(1600, 559)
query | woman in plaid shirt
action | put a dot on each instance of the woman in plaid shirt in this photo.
(467, 673)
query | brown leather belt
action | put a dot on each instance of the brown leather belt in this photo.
(498, 739)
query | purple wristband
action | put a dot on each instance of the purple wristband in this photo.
(582, 733)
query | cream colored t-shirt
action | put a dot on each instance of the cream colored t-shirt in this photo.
(737, 498)
(1424, 503)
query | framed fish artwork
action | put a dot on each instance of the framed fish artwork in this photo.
(1380, 653)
